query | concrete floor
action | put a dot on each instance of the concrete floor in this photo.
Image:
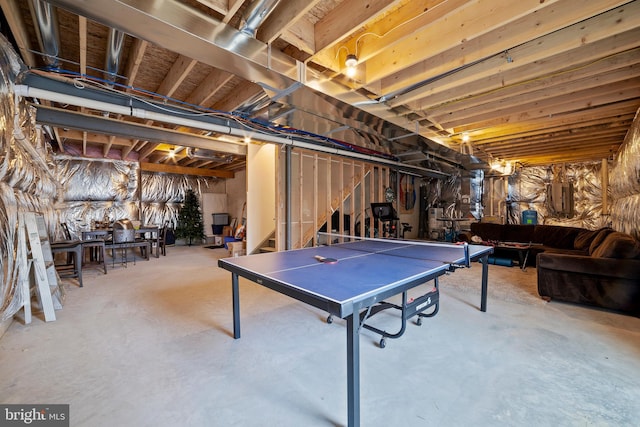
(151, 345)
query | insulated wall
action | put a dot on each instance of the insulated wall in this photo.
(26, 181)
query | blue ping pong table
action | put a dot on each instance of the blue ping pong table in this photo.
(366, 273)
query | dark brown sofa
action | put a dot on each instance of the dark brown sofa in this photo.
(593, 267)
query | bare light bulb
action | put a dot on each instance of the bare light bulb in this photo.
(351, 61)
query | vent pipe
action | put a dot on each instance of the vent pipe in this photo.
(255, 16)
(46, 19)
(115, 43)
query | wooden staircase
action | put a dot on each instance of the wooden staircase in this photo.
(353, 187)
(269, 245)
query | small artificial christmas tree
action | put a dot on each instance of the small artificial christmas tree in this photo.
(190, 224)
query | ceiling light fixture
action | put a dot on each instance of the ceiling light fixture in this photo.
(351, 63)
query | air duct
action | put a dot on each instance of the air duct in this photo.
(115, 44)
(256, 14)
(181, 28)
(204, 154)
(228, 129)
(45, 16)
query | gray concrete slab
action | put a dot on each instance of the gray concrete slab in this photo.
(151, 345)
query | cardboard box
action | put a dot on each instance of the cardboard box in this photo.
(227, 230)
(237, 248)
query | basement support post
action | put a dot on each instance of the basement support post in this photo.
(287, 203)
(605, 186)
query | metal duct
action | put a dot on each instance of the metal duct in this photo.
(124, 106)
(256, 14)
(115, 44)
(180, 28)
(46, 19)
(202, 153)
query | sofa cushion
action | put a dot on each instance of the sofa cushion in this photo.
(488, 231)
(522, 233)
(618, 245)
(584, 238)
(555, 236)
(602, 234)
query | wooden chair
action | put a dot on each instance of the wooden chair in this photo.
(163, 240)
(73, 249)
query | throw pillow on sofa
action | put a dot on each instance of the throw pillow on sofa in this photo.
(618, 245)
(602, 234)
(584, 238)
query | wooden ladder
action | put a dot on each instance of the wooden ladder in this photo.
(41, 273)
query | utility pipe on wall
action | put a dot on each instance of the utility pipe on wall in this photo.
(32, 92)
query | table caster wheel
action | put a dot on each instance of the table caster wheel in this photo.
(419, 321)
(330, 319)
(383, 343)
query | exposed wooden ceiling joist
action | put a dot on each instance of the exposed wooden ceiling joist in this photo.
(526, 80)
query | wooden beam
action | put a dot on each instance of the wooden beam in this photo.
(300, 35)
(209, 87)
(239, 96)
(285, 15)
(220, 6)
(232, 8)
(608, 70)
(346, 18)
(566, 119)
(107, 147)
(82, 44)
(180, 170)
(579, 100)
(565, 94)
(545, 133)
(176, 75)
(19, 31)
(526, 48)
(378, 34)
(523, 76)
(136, 54)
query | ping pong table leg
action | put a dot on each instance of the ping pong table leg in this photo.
(353, 369)
(235, 290)
(485, 273)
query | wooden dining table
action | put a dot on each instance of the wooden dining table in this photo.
(105, 233)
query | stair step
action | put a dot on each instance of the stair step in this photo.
(267, 249)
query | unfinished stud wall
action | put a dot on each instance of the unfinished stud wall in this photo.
(325, 186)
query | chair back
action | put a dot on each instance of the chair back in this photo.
(65, 231)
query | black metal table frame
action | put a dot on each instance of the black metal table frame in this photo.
(352, 316)
(104, 232)
(521, 250)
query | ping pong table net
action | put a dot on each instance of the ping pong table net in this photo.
(448, 253)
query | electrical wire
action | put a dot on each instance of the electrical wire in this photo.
(81, 81)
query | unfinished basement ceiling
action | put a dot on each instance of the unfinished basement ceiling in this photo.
(529, 82)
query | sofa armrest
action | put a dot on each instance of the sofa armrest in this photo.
(610, 267)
